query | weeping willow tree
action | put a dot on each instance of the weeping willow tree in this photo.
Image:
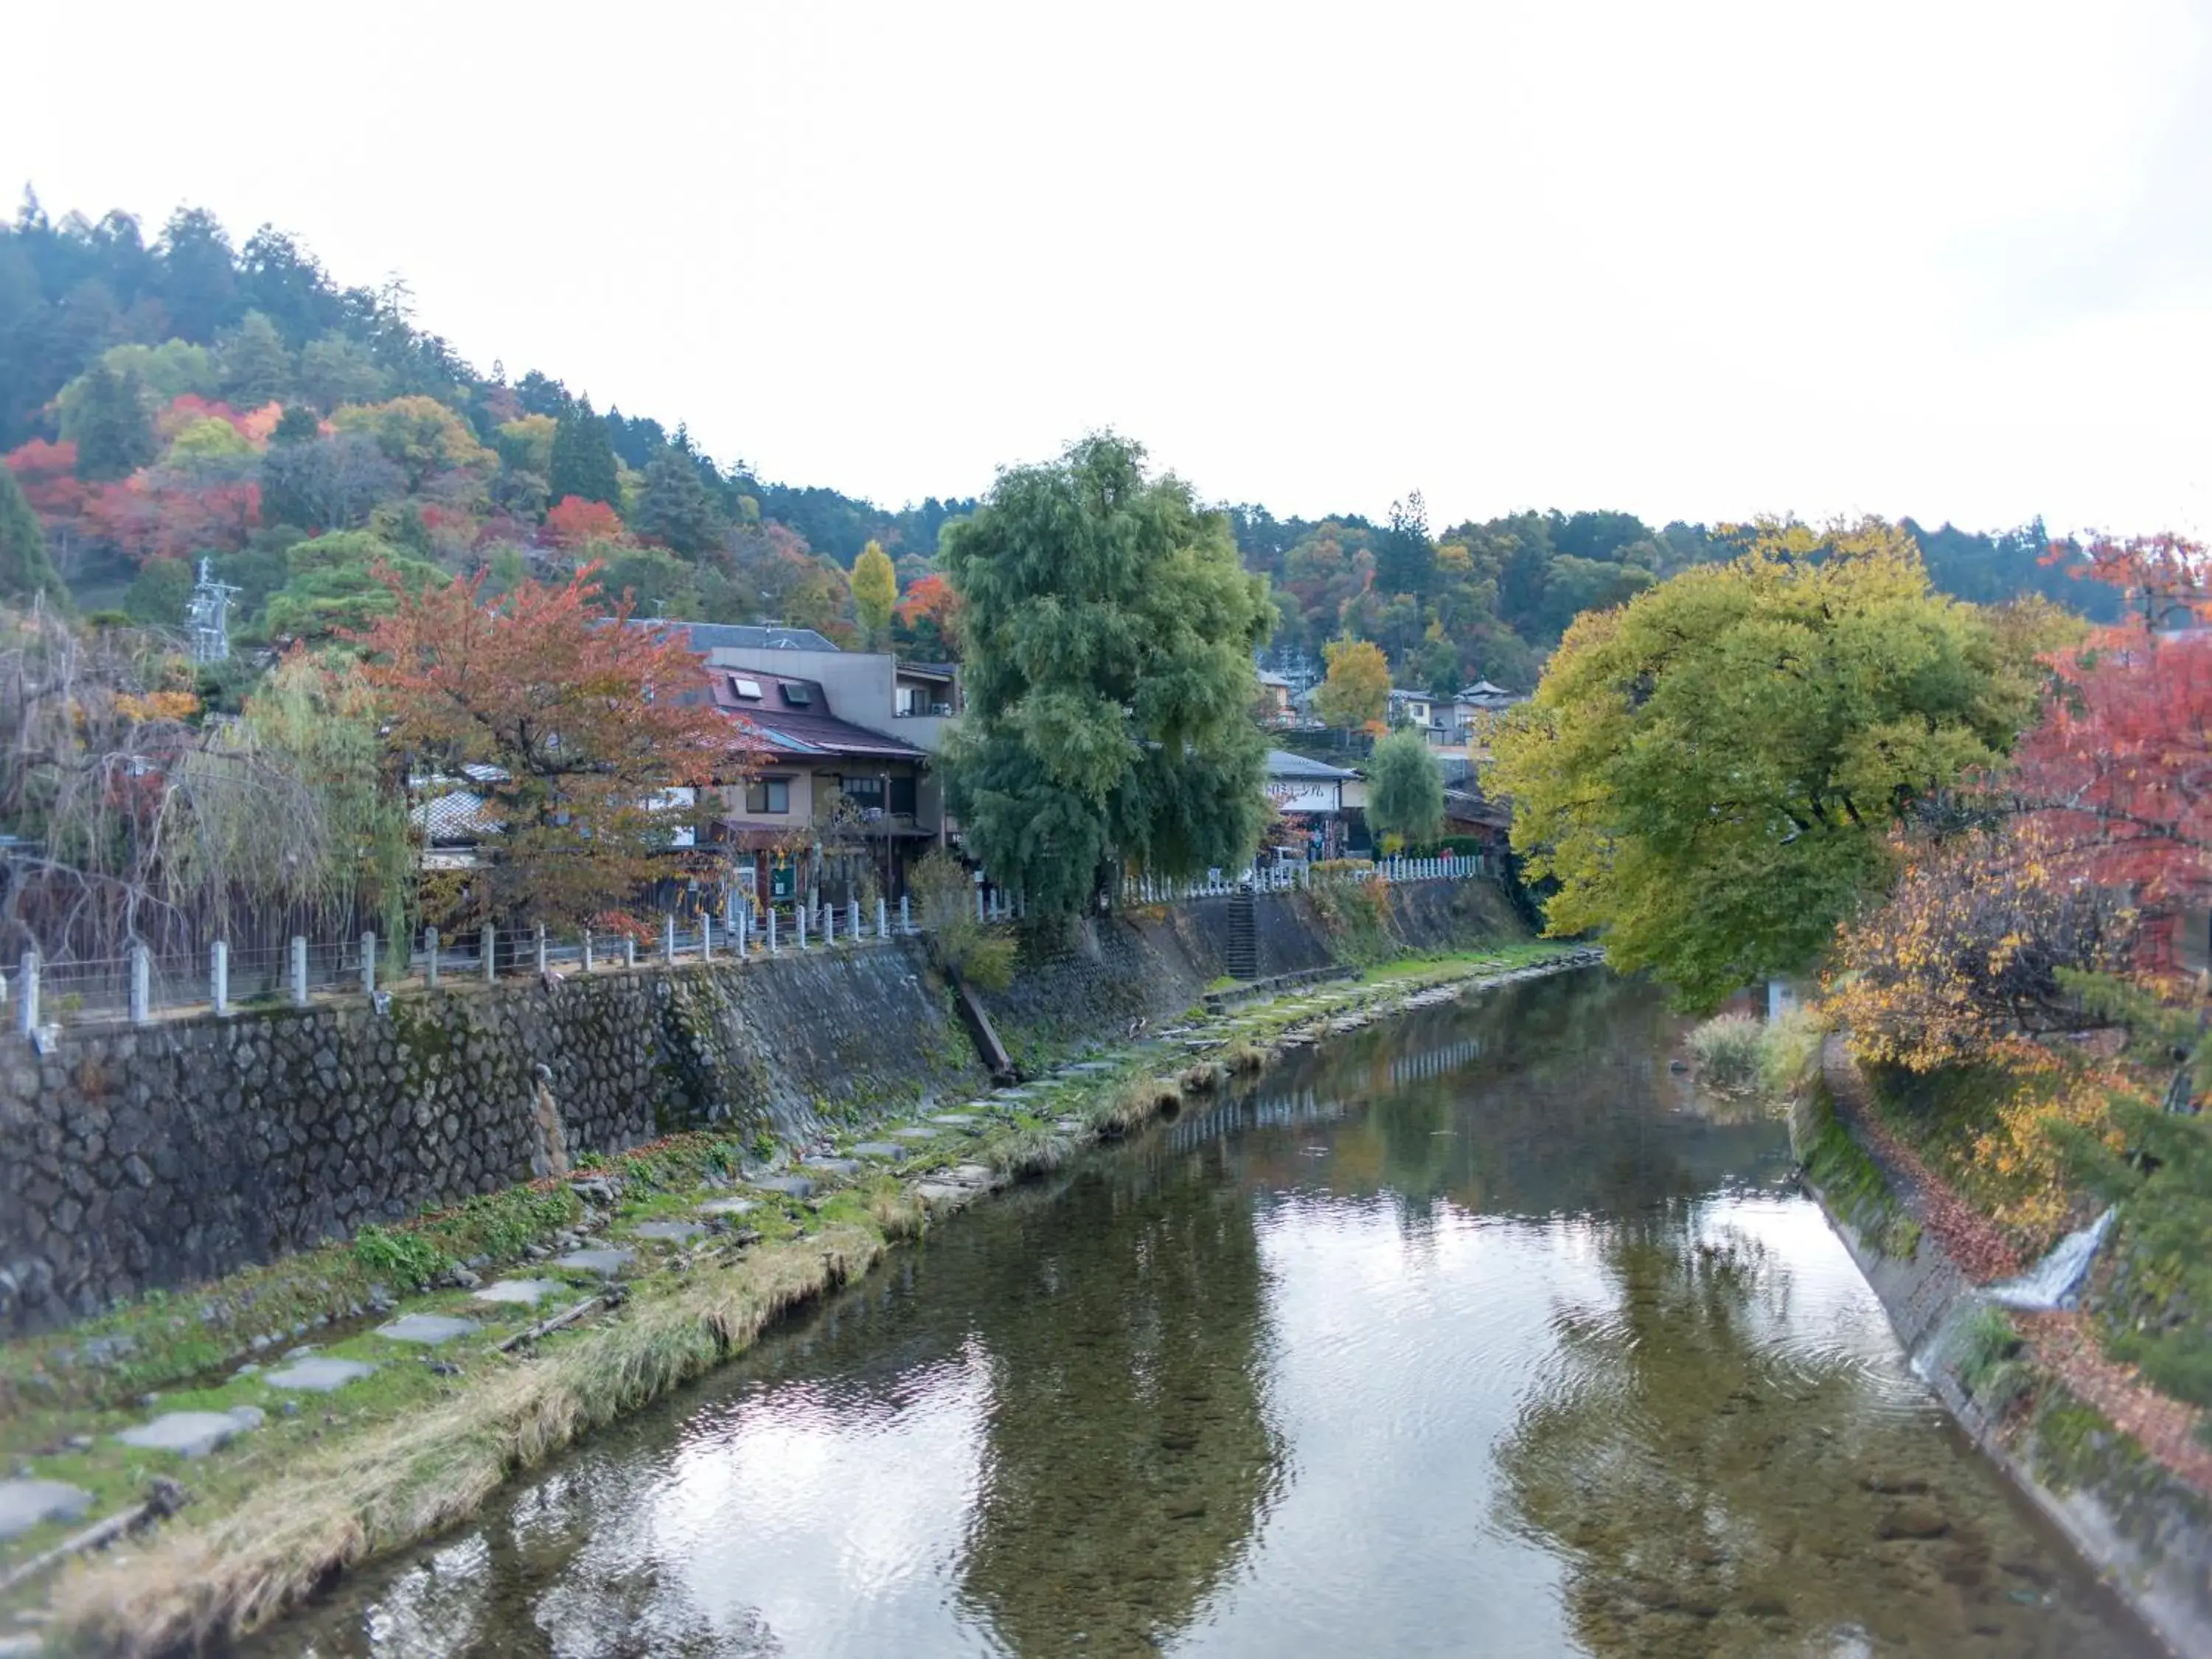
(289, 808)
(132, 817)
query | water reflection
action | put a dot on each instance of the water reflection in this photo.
(1474, 1334)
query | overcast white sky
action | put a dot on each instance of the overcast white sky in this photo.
(1940, 257)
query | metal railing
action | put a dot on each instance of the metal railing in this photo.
(143, 986)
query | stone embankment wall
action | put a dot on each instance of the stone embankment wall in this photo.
(2146, 1533)
(156, 1156)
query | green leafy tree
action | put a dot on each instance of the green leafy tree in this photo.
(583, 458)
(673, 507)
(157, 593)
(1709, 772)
(1405, 789)
(108, 422)
(335, 371)
(875, 592)
(1109, 633)
(256, 365)
(24, 569)
(332, 584)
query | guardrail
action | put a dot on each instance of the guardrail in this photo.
(142, 987)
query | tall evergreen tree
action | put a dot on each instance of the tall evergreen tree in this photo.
(109, 423)
(1109, 678)
(584, 457)
(674, 508)
(24, 569)
(1405, 557)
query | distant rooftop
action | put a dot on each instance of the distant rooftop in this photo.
(744, 636)
(1282, 764)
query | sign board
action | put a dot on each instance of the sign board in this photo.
(1296, 795)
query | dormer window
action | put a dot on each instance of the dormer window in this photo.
(743, 687)
(797, 695)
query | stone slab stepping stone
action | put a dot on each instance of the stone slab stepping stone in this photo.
(1069, 1126)
(879, 1149)
(28, 1503)
(976, 1175)
(605, 1263)
(676, 1233)
(729, 1207)
(938, 1192)
(843, 1166)
(789, 1186)
(953, 1120)
(319, 1374)
(916, 1131)
(528, 1291)
(429, 1329)
(1092, 1066)
(191, 1434)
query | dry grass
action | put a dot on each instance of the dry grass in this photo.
(1031, 1152)
(1133, 1104)
(200, 1586)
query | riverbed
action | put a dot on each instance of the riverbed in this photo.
(1479, 1332)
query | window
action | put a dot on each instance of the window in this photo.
(768, 795)
(901, 798)
(864, 792)
(797, 694)
(743, 687)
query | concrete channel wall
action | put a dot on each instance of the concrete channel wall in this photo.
(2148, 1534)
(133, 1158)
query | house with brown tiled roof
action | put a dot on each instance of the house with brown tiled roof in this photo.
(836, 810)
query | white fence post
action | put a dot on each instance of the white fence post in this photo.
(142, 985)
(798, 913)
(488, 944)
(668, 938)
(27, 994)
(906, 915)
(430, 942)
(771, 929)
(705, 937)
(541, 950)
(368, 965)
(299, 972)
(629, 950)
(830, 926)
(219, 977)
(852, 920)
(588, 949)
(882, 920)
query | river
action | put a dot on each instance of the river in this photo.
(1478, 1333)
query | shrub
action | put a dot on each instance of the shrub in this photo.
(1789, 1052)
(1728, 1051)
(944, 904)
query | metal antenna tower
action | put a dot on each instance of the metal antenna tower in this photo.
(207, 615)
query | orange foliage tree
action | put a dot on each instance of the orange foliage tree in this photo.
(930, 613)
(574, 522)
(575, 727)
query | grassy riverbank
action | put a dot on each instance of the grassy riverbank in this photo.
(326, 1481)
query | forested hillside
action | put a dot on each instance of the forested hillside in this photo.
(184, 396)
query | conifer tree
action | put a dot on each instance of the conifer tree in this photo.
(24, 569)
(584, 457)
(108, 422)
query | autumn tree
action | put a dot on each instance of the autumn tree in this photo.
(1357, 691)
(930, 614)
(1710, 771)
(582, 459)
(875, 594)
(1110, 679)
(573, 523)
(1404, 790)
(580, 724)
(424, 439)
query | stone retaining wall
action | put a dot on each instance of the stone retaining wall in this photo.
(137, 1159)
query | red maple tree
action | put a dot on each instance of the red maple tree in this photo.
(574, 522)
(579, 730)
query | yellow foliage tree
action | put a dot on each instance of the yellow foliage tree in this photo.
(875, 591)
(1358, 689)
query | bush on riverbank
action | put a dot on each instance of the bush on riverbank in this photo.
(1739, 1054)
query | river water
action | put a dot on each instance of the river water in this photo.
(1477, 1333)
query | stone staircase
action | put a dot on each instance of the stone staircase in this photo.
(1241, 959)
